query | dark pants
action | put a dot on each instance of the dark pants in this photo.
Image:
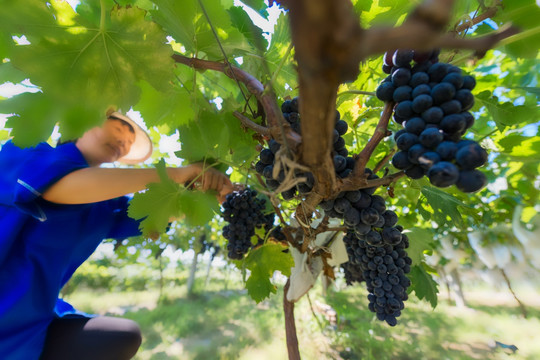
(99, 338)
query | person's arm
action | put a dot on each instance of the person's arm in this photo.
(96, 184)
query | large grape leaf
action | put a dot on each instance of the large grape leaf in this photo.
(199, 208)
(186, 22)
(419, 241)
(156, 205)
(241, 21)
(423, 285)
(208, 136)
(35, 120)
(95, 63)
(507, 114)
(173, 107)
(525, 15)
(262, 262)
(443, 205)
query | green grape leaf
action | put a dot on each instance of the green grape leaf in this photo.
(262, 262)
(95, 67)
(199, 208)
(423, 285)
(173, 108)
(443, 205)
(156, 205)
(186, 22)
(419, 241)
(243, 23)
(507, 114)
(35, 119)
(206, 137)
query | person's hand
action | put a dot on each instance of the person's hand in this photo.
(208, 178)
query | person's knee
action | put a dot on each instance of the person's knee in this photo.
(132, 337)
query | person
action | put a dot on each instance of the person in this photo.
(56, 205)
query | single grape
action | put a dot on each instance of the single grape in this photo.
(471, 181)
(443, 174)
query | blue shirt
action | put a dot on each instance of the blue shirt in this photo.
(42, 243)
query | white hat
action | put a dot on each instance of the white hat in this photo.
(141, 149)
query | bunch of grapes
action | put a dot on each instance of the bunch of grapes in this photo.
(383, 267)
(375, 247)
(265, 165)
(244, 212)
(432, 103)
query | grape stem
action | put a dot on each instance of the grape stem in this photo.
(489, 13)
(384, 161)
(264, 95)
(380, 132)
(263, 130)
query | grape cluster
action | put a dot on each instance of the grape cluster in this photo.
(265, 165)
(244, 212)
(383, 268)
(375, 246)
(433, 100)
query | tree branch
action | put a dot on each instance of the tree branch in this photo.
(489, 13)
(264, 95)
(251, 125)
(379, 134)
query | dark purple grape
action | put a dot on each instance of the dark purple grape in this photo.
(259, 167)
(415, 172)
(267, 171)
(443, 174)
(286, 106)
(447, 150)
(468, 82)
(437, 72)
(391, 236)
(414, 153)
(353, 196)
(421, 90)
(419, 78)
(415, 125)
(341, 126)
(401, 160)
(385, 91)
(341, 205)
(289, 194)
(455, 79)
(401, 76)
(369, 216)
(430, 138)
(373, 238)
(274, 146)
(443, 92)
(433, 115)
(351, 216)
(340, 163)
(390, 218)
(364, 202)
(402, 57)
(267, 156)
(399, 133)
(466, 98)
(471, 156)
(469, 119)
(405, 141)
(428, 159)
(454, 123)
(451, 107)
(402, 93)
(471, 181)
(404, 109)
(421, 103)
